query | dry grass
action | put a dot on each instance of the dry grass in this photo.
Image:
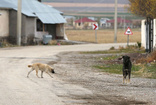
(103, 36)
(150, 58)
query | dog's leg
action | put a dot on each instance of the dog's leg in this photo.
(37, 73)
(49, 74)
(41, 74)
(123, 79)
(126, 80)
(123, 71)
(30, 72)
(124, 76)
(129, 76)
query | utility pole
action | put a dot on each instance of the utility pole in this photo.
(19, 23)
(115, 22)
(124, 23)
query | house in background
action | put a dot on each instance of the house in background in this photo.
(84, 23)
(37, 20)
(69, 24)
(92, 18)
(104, 23)
(121, 23)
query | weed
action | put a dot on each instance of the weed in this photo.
(6, 44)
(55, 42)
(151, 69)
(112, 48)
(150, 58)
(139, 44)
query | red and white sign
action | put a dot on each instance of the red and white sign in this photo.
(128, 31)
(95, 26)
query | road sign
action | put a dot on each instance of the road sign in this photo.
(95, 26)
(128, 31)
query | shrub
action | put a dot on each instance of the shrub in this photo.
(139, 44)
(112, 48)
(150, 58)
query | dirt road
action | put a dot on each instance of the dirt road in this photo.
(17, 89)
(107, 89)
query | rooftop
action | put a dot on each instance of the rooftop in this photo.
(84, 20)
(33, 8)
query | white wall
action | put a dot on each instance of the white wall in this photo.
(143, 33)
(4, 23)
(60, 30)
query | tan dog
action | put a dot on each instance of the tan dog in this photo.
(42, 67)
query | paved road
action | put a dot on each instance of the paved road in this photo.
(17, 89)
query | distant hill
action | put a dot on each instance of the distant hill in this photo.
(88, 1)
(88, 7)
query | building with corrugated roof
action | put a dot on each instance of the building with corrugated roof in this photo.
(37, 20)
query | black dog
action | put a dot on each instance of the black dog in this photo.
(127, 65)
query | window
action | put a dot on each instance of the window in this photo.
(79, 24)
(39, 25)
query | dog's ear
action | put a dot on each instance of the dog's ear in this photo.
(128, 57)
(123, 56)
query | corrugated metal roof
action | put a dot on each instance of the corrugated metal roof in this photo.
(27, 13)
(4, 4)
(50, 18)
(33, 8)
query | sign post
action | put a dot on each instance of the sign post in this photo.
(128, 32)
(128, 40)
(95, 27)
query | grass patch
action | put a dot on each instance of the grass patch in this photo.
(146, 70)
(150, 69)
(117, 68)
(142, 67)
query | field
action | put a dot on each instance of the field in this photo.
(103, 36)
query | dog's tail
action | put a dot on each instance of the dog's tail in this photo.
(29, 65)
